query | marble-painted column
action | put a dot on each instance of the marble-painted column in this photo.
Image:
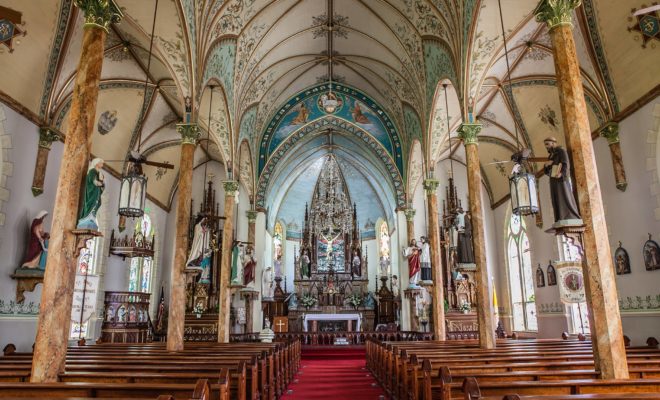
(485, 314)
(600, 285)
(252, 220)
(437, 293)
(231, 189)
(46, 138)
(57, 294)
(410, 224)
(611, 133)
(177, 307)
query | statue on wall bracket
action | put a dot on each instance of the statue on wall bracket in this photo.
(561, 192)
(91, 202)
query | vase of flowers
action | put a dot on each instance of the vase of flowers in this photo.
(198, 310)
(308, 301)
(465, 307)
(354, 300)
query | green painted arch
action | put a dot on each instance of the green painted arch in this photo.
(289, 121)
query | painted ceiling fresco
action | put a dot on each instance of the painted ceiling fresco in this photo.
(394, 56)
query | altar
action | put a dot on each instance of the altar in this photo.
(347, 318)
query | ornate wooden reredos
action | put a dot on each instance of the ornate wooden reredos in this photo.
(331, 238)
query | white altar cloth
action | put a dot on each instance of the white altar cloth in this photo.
(332, 317)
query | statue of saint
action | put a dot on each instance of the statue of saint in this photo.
(293, 301)
(267, 289)
(465, 245)
(199, 247)
(91, 202)
(384, 265)
(425, 259)
(412, 254)
(37, 250)
(355, 265)
(369, 301)
(395, 285)
(561, 193)
(305, 265)
(249, 266)
(236, 263)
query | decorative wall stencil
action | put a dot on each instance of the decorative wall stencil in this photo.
(119, 54)
(246, 174)
(175, 51)
(640, 303)
(651, 254)
(220, 65)
(551, 308)
(439, 65)
(107, 121)
(11, 23)
(499, 166)
(621, 261)
(11, 307)
(160, 171)
(647, 25)
(320, 22)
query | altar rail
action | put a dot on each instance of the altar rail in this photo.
(328, 338)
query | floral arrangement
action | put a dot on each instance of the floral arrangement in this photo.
(308, 300)
(198, 308)
(354, 299)
(465, 307)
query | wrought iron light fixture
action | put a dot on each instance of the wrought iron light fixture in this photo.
(522, 183)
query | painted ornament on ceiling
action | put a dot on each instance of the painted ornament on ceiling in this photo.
(549, 117)
(646, 23)
(107, 121)
(10, 27)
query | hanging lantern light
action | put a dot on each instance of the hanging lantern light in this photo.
(133, 192)
(522, 184)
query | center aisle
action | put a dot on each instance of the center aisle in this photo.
(335, 373)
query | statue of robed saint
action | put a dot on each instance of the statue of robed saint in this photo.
(561, 192)
(91, 202)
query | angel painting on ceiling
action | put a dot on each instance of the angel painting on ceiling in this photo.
(357, 114)
(302, 115)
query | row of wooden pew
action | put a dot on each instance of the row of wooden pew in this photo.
(240, 371)
(516, 369)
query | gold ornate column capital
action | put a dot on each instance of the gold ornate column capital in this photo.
(556, 12)
(47, 136)
(469, 133)
(189, 133)
(231, 188)
(252, 216)
(610, 132)
(410, 213)
(431, 185)
(100, 13)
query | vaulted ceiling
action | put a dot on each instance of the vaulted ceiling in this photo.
(260, 54)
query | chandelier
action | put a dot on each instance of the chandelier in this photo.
(331, 210)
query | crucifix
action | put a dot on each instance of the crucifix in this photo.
(279, 325)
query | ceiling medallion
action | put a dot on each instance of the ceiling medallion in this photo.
(647, 23)
(330, 102)
(9, 27)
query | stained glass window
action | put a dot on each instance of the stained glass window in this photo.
(140, 270)
(278, 250)
(86, 265)
(521, 279)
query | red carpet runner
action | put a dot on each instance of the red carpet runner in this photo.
(335, 373)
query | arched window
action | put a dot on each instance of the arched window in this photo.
(141, 268)
(87, 263)
(521, 279)
(384, 247)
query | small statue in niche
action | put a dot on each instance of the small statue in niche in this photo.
(293, 301)
(384, 265)
(37, 251)
(425, 260)
(249, 266)
(465, 246)
(561, 192)
(305, 265)
(412, 253)
(356, 264)
(621, 260)
(91, 202)
(267, 289)
(237, 255)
